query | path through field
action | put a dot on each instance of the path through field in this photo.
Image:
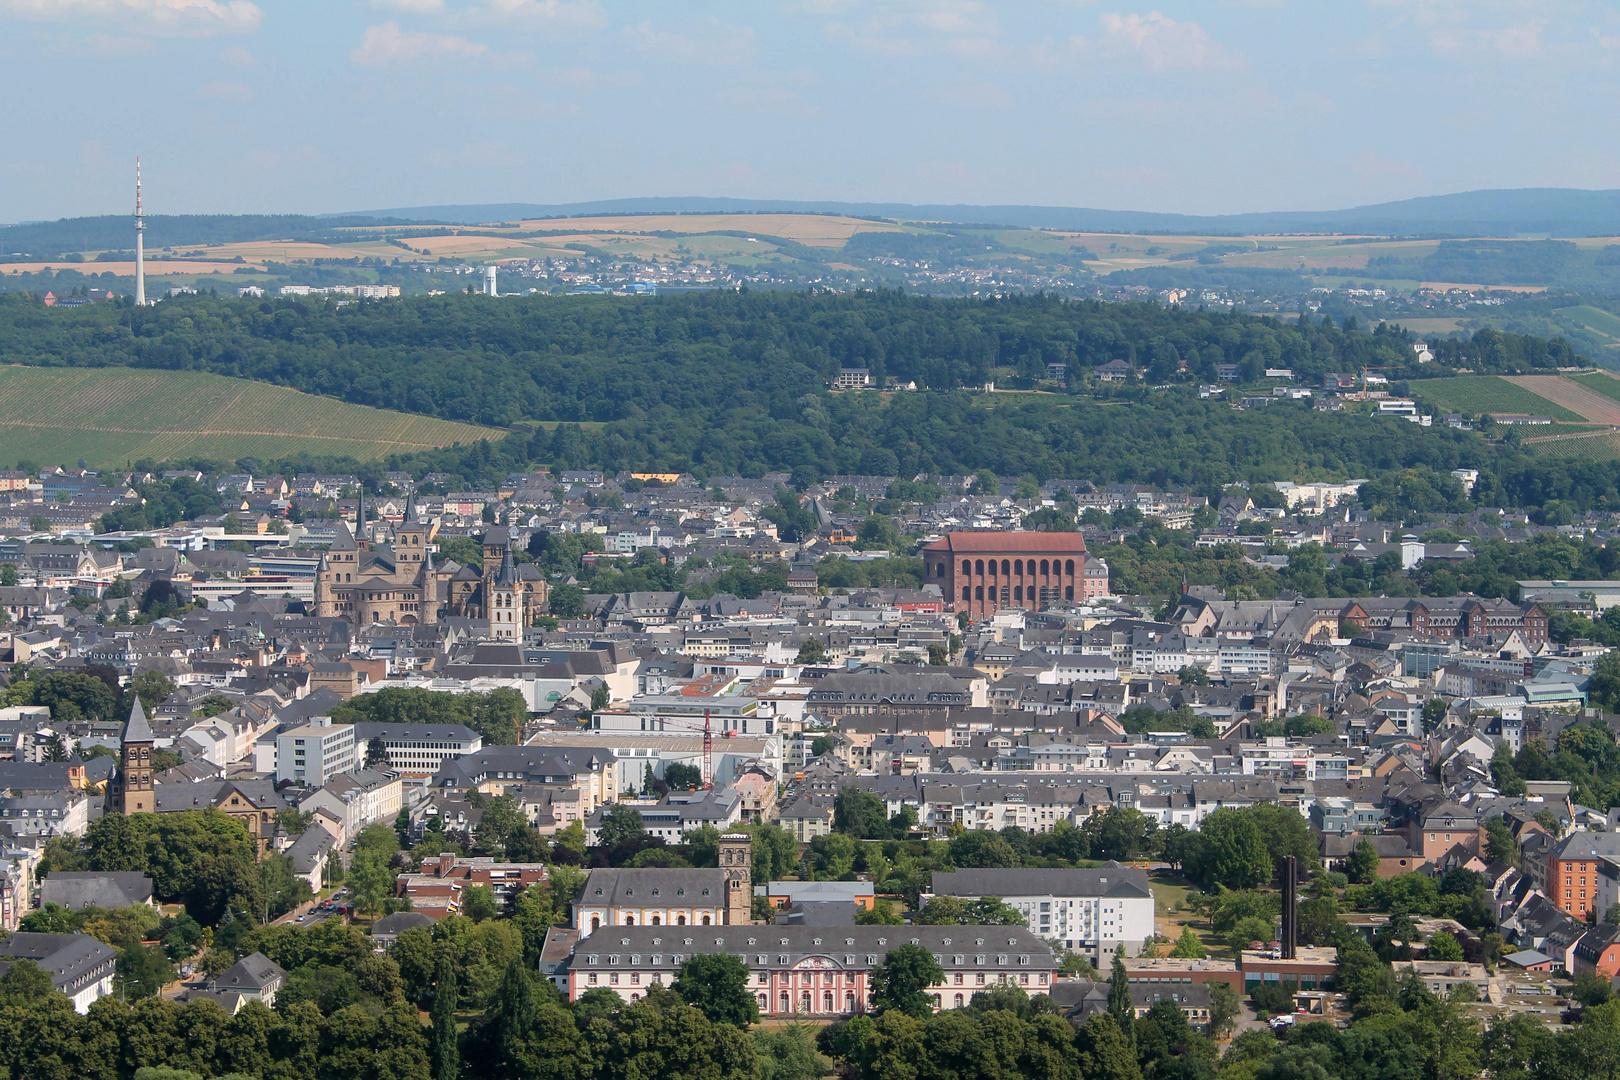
(1572, 396)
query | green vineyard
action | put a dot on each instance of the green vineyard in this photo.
(1475, 394)
(110, 416)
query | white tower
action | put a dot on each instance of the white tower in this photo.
(140, 242)
(489, 280)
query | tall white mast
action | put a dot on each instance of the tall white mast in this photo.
(140, 242)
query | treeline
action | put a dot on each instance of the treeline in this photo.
(577, 358)
(730, 383)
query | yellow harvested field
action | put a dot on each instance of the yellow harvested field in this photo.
(260, 250)
(1490, 288)
(465, 245)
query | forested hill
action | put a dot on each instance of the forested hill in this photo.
(736, 382)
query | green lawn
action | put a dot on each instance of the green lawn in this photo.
(1171, 890)
(1475, 394)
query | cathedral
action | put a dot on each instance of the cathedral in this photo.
(363, 581)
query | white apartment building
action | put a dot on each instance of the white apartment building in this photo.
(418, 749)
(1088, 910)
(314, 753)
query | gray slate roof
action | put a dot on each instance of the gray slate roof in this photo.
(1111, 880)
(110, 889)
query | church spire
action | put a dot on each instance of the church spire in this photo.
(360, 517)
(507, 578)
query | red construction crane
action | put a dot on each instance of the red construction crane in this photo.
(708, 753)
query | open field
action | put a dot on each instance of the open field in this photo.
(1574, 396)
(1597, 321)
(1431, 326)
(815, 229)
(114, 415)
(1475, 394)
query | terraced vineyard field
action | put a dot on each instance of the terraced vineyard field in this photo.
(1607, 385)
(1598, 446)
(1577, 397)
(110, 416)
(1475, 394)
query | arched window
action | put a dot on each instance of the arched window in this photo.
(1068, 567)
(1068, 592)
(705, 920)
(596, 923)
(629, 920)
(979, 589)
(680, 920)
(967, 592)
(993, 568)
(967, 566)
(939, 569)
(827, 1002)
(1018, 567)
(937, 1003)
(1005, 567)
(958, 1001)
(1018, 593)
(981, 565)
(1044, 568)
(849, 1001)
(655, 921)
(787, 1004)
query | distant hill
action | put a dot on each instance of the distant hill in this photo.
(1509, 212)
(115, 232)
(1558, 212)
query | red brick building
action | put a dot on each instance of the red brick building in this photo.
(982, 572)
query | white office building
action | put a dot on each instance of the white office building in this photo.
(314, 753)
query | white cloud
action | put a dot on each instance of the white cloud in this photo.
(554, 14)
(918, 27)
(1165, 44)
(388, 44)
(415, 7)
(1521, 41)
(149, 16)
(714, 44)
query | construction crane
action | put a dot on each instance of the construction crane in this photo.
(691, 727)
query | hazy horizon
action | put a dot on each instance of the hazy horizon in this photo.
(304, 106)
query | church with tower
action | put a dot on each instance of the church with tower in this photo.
(133, 791)
(364, 581)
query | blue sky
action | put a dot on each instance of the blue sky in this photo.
(1218, 106)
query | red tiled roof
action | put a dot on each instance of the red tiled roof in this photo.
(1010, 543)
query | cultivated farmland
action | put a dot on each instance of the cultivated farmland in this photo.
(1577, 397)
(109, 416)
(1475, 394)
